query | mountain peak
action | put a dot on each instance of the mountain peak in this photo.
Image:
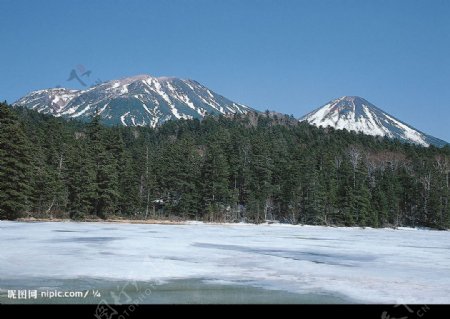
(349, 98)
(354, 103)
(137, 77)
(141, 77)
(355, 113)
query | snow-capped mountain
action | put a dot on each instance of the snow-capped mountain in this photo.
(356, 114)
(139, 100)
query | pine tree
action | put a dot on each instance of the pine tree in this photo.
(106, 183)
(215, 179)
(49, 193)
(215, 176)
(81, 181)
(129, 186)
(315, 201)
(14, 165)
(363, 207)
(261, 178)
(178, 173)
(380, 207)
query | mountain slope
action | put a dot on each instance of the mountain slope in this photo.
(140, 100)
(357, 114)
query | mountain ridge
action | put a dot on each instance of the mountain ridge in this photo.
(139, 100)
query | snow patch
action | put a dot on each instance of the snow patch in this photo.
(122, 118)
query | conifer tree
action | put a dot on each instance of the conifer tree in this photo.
(15, 166)
(81, 181)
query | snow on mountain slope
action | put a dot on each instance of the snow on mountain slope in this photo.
(357, 114)
(134, 101)
(50, 101)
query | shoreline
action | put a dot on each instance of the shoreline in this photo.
(118, 221)
(193, 222)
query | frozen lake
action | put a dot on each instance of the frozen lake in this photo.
(199, 263)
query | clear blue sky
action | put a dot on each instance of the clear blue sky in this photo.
(289, 56)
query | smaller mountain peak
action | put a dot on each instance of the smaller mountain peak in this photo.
(355, 113)
(353, 98)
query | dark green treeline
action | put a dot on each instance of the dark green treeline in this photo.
(248, 168)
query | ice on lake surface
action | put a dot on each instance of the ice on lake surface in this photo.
(229, 263)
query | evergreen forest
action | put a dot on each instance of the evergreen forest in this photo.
(247, 168)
